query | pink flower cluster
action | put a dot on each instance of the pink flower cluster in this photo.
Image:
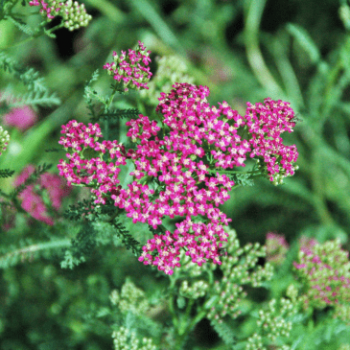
(266, 122)
(32, 202)
(131, 69)
(325, 270)
(186, 187)
(50, 7)
(276, 248)
(22, 118)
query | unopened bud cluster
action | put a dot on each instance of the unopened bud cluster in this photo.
(4, 139)
(130, 298)
(171, 70)
(239, 263)
(272, 322)
(127, 340)
(255, 342)
(325, 272)
(239, 267)
(197, 290)
(73, 13)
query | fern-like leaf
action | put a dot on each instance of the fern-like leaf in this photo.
(242, 179)
(83, 245)
(4, 173)
(117, 114)
(76, 212)
(39, 98)
(87, 91)
(225, 333)
(28, 76)
(53, 149)
(18, 22)
(127, 239)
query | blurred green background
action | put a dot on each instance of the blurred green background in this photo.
(296, 50)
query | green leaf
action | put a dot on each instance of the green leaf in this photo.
(305, 41)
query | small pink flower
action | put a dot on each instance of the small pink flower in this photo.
(32, 202)
(22, 118)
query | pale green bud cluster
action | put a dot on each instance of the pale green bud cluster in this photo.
(239, 262)
(171, 70)
(197, 290)
(255, 342)
(130, 298)
(127, 340)
(74, 15)
(273, 322)
(239, 267)
(4, 139)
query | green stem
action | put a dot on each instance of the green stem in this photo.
(183, 332)
(172, 311)
(19, 43)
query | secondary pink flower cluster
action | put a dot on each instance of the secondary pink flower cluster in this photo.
(276, 248)
(266, 122)
(131, 69)
(187, 186)
(325, 270)
(32, 202)
(50, 7)
(22, 118)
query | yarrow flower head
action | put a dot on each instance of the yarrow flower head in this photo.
(325, 272)
(131, 69)
(276, 248)
(190, 184)
(32, 201)
(266, 122)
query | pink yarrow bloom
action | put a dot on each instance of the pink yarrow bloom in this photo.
(32, 202)
(191, 187)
